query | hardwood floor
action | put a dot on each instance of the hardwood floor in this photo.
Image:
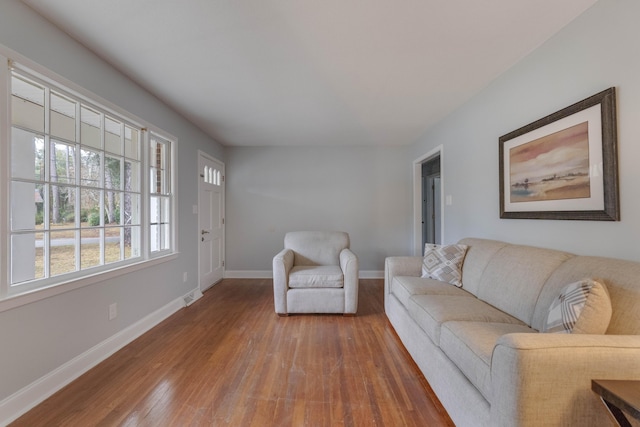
(229, 360)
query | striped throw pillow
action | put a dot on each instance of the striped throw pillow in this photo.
(582, 307)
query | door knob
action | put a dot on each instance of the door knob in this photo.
(204, 232)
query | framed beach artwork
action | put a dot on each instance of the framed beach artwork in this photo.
(563, 166)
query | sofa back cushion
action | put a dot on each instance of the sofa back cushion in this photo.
(514, 278)
(316, 247)
(621, 278)
(478, 255)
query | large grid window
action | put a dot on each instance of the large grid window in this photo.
(76, 193)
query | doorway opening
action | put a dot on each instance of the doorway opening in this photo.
(428, 200)
(431, 201)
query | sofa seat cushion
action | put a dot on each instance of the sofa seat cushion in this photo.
(316, 276)
(431, 311)
(470, 346)
(404, 287)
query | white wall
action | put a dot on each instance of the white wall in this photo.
(363, 191)
(39, 337)
(598, 50)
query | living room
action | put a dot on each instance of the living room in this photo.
(367, 191)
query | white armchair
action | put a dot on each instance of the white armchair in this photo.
(316, 272)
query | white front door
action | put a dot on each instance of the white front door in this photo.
(210, 221)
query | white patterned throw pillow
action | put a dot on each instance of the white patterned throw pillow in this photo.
(444, 263)
(582, 307)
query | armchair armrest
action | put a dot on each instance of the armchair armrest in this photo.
(545, 379)
(401, 266)
(350, 270)
(282, 264)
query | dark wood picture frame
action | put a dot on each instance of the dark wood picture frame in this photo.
(601, 140)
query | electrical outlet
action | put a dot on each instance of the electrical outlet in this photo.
(113, 311)
(185, 276)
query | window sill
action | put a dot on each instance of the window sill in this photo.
(14, 301)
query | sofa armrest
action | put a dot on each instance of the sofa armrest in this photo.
(400, 266)
(282, 264)
(350, 270)
(545, 379)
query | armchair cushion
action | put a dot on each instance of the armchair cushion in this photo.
(321, 276)
(316, 247)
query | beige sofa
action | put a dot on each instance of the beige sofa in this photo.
(480, 348)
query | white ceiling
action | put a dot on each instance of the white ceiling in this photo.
(304, 72)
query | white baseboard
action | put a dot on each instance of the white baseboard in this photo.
(25, 399)
(268, 274)
(371, 274)
(248, 274)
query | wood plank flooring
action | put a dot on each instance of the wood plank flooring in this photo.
(229, 360)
